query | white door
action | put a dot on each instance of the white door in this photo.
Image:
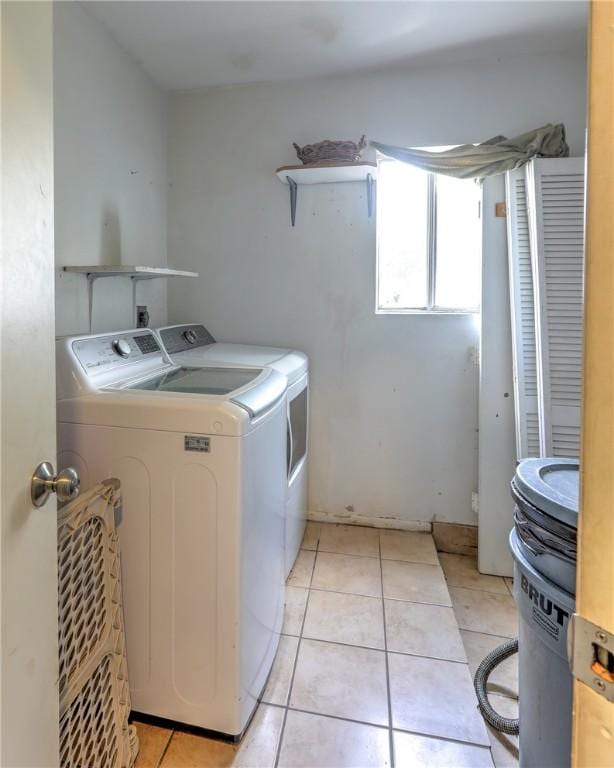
(555, 197)
(29, 694)
(497, 450)
(523, 316)
(593, 712)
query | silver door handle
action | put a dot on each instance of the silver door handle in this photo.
(66, 484)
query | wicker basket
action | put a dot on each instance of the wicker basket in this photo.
(331, 151)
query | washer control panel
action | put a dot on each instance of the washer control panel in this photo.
(106, 352)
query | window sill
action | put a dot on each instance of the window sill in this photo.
(380, 311)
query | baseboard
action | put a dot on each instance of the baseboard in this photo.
(349, 518)
(456, 538)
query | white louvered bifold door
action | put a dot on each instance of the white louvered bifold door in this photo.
(555, 196)
(523, 316)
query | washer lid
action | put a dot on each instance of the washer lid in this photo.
(552, 486)
(199, 381)
(253, 389)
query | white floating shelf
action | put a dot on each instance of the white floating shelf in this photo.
(135, 272)
(327, 173)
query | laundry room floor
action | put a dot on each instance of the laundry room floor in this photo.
(381, 638)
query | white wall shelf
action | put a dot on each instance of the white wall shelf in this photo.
(136, 273)
(132, 271)
(327, 173)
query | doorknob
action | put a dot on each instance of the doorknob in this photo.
(66, 484)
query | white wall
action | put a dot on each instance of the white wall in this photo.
(110, 173)
(395, 398)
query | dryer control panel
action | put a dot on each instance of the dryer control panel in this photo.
(106, 352)
(181, 338)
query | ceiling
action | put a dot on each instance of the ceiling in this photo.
(194, 44)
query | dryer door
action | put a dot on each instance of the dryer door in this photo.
(298, 410)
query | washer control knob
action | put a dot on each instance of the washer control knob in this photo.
(121, 347)
(190, 336)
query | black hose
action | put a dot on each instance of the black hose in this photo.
(507, 725)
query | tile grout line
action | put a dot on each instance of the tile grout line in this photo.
(376, 597)
(479, 589)
(445, 738)
(385, 649)
(322, 716)
(388, 695)
(165, 750)
(298, 648)
(373, 597)
(489, 634)
(473, 589)
(369, 724)
(379, 557)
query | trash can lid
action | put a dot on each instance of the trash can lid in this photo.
(551, 485)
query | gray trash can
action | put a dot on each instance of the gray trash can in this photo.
(543, 544)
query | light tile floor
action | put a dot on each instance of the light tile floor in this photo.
(487, 617)
(380, 642)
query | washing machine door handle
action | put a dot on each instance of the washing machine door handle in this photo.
(290, 444)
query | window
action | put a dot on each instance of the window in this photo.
(429, 238)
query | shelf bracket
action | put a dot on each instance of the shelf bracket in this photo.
(370, 190)
(90, 297)
(293, 194)
(133, 281)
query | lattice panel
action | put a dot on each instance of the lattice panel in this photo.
(88, 733)
(84, 605)
(94, 689)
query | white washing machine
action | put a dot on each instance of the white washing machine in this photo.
(200, 453)
(194, 345)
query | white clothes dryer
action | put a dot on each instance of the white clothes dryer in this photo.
(192, 344)
(200, 453)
